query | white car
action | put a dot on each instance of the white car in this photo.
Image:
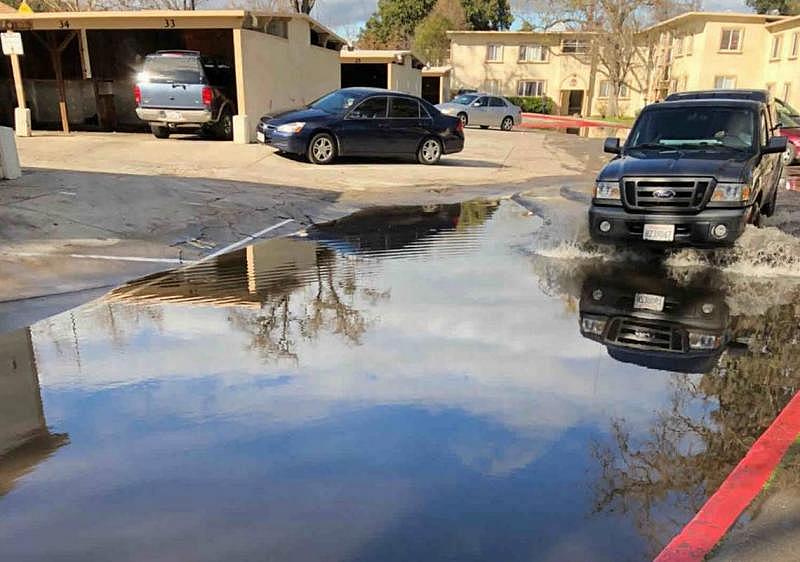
(484, 110)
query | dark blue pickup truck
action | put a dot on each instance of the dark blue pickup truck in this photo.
(691, 173)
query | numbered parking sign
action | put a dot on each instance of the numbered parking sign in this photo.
(12, 43)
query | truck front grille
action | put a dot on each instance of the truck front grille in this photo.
(666, 194)
(631, 332)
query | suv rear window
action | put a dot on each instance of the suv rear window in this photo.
(698, 127)
(169, 69)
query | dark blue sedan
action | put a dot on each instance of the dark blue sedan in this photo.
(364, 122)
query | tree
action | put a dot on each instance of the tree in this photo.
(430, 36)
(392, 26)
(488, 15)
(783, 7)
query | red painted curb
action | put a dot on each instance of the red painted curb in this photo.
(741, 486)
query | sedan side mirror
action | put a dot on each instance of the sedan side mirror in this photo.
(476, 104)
(611, 145)
(776, 145)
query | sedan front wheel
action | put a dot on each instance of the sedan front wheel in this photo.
(430, 151)
(322, 149)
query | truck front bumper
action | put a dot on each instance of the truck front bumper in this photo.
(176, 117)
(690, 230)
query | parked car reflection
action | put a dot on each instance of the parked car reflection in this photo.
(648, 319)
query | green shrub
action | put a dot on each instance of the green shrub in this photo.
(534, 104)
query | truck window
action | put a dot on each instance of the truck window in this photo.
(169, 69)
(698, 127)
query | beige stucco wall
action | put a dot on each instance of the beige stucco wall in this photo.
(273, 73)
(405, 78)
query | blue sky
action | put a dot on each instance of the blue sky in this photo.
(346, 16)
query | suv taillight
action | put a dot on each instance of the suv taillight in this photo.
(460, 125)
(208, 96)
(137, 95)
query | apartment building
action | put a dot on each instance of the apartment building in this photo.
(527, 63)
(694, 51)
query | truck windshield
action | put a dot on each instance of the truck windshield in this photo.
(172, 69)
(335, 102)
(694, 128)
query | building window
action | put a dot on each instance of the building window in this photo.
(575, 46)
(533, 53)
(679, 46)
(530, 88)
(795, 45)
(606, 89)
(777, 47)
(491, 86)
(731, 40)
(279, 28)
(688, 45)
(787, 91)
(673, 86)
(725, 82)
(494, 53)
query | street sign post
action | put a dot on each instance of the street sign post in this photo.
(12, 47)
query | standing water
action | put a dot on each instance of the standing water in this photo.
(403, 384)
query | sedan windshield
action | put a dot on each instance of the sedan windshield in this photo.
(694, 128)
(464, 99)
(335, 102)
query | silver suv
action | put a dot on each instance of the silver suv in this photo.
(188, 91)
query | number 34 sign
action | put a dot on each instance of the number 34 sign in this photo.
(12, 43)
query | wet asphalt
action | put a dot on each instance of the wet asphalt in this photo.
(449, 382)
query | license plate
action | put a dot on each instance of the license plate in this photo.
(260, 137)
(659, 232)
(644, 301)
(174, 116)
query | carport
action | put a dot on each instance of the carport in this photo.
(393, 69)
(436, 84)
(89, 61)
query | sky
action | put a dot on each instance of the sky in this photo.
(347, 16)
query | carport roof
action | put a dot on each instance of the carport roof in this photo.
(156, 19)
(378, 55)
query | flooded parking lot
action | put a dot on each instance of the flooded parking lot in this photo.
(407, 383)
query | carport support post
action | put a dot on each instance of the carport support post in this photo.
(241, 123)
(22, 115)
(55, 57)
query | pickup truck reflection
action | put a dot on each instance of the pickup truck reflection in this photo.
(647, 319)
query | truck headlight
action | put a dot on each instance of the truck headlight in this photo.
(698, 340)
(731, 192)
(595, 326)
(607, 190)
(291, 128)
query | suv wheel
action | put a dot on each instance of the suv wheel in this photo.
(508, 123)
(224, 128)
(159, 132)
(430, 151)
(322, 149)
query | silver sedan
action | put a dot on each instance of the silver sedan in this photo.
(484, 110)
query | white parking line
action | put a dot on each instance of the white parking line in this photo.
(246, 240)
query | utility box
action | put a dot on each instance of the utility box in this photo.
(9, 158)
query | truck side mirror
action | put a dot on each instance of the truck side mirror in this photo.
(611, 145)
(776, 145)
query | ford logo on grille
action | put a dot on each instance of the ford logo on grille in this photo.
(663, 194)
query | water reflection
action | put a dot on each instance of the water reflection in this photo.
(401, 384)
(25, 440)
